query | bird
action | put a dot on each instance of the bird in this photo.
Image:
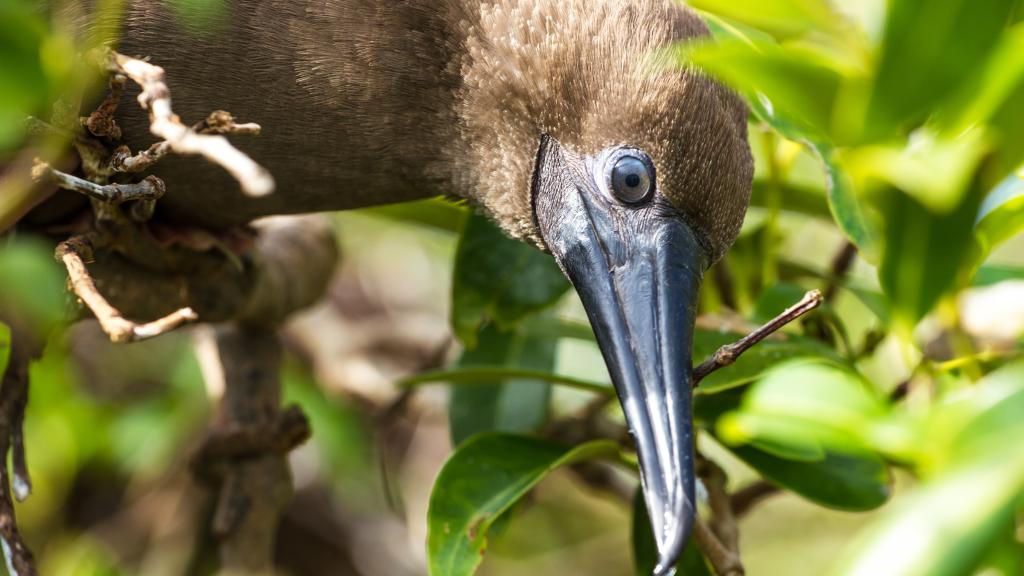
(566, 122)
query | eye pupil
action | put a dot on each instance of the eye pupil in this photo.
(631, 179)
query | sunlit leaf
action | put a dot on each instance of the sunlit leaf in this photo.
(989, 274)
(848, 210)
(500, 279)
(797, 84)
(981, 97)
(782, 18)
(927, 50)
(479, 482)
(934, 169)
(434, 213)
(806, 406)
(1001, 215)
(925, 254)
(944, 527)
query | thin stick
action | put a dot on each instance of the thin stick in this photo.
(119, 328)
(164, 123)
(724, 561)
(728, 354)
(218, 122)
(17, 556)
(151, 188)
(747, 497)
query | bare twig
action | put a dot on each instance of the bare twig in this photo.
(13, 398)
(119, 328)
(747, 497)
(840, 266)
(218, 122)
(164, 123)
(723, 549)
(151, 188)
(728, 354)
(724, 561)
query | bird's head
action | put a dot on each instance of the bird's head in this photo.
(640, 182)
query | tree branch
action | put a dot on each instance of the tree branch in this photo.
(728, 354)
(749, 496)
(249, 447)
(13, 399)
(151, 188)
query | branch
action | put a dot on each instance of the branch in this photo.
(841, 263)
(721, 540)
(747, 497)
(113, 323)
(13, 399)
(255, 483)
(728, 354)
(164, 123)
(218, 122)
(151, 188)
(723, 561)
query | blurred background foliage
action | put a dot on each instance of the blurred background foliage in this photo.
(891, 418)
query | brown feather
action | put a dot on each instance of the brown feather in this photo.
(366, 102)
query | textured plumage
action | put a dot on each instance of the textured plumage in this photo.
(366, 102)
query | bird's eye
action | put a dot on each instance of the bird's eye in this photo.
(630, 179)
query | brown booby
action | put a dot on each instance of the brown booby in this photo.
(563, 120)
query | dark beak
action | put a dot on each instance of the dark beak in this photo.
(637, 269)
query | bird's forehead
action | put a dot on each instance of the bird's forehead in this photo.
(589, 74)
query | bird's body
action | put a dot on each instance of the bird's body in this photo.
(561, 119)
(365, 102)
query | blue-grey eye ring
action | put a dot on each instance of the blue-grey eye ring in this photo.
(629, 175)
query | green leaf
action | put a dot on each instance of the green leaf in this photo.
(645, 549)
(32, 283)
(975, 420)
(794, 197)
(1001, 215)
(847, 210)
(481, 481)
(800, 409)
(927, 50)
(5, 347)
(433, 213)
(944, 527)
(774, 299)
(989, 274)
(925, 254)
(500, 279)
(508, 405)
(799, 84)
(841, 481)
(803, 424)
(477, 375)
(981, 98)
(782, 18)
